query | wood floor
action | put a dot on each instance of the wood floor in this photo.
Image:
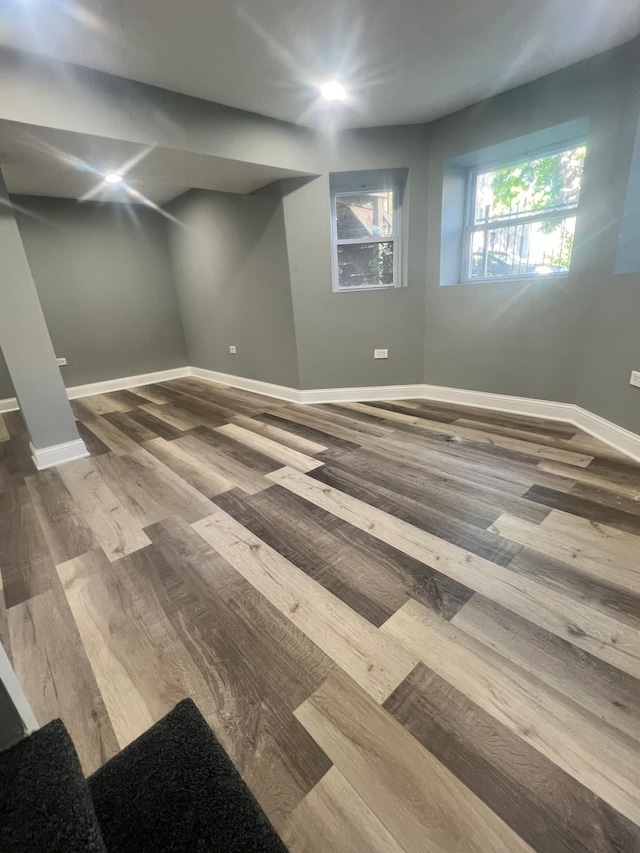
(414, 627)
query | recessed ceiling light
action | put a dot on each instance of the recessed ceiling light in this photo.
(333, 91)
(113, 178)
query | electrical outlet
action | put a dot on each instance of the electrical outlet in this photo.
(233, 350)
(62, 362)
(381, 353)
(635, 378)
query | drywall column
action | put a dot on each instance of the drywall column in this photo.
(28, 352)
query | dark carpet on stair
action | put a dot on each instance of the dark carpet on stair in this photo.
(44, 800)
(175, 789)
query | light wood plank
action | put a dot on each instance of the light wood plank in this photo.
(52, 667)
(349, 639)
(548, 808)
(594, 478)
(590, 629)
(102, 404)
(115, 440)
(421, 803)
(224, 465)
(116, 531)
(282, 436)
(594, 753)
(598, 550)
(174, 416)
(150, 490)
(139, 662)
(203, 478)
(609, 694)
(267, 446)
(333, 817)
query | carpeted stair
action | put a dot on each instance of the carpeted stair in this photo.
(173, 789)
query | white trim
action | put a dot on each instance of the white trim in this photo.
(620, 439)
(617, 437)
(56, 454)
(356, 395)
(280, 392)
(10, 404)
(16, 694)
(126, 382)
(527, 406)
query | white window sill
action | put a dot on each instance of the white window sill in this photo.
(520, 279)
(366, 287)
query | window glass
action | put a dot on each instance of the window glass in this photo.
(523, 216)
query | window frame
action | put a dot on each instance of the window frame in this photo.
(470, 227)
(395, 238)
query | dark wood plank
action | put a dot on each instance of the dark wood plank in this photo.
(258, 665)
(53, 669)
(377, 559)
(600, 688)
(25, 560)
(246, 456)
(467, 501)
(548, 808)
(305, 536)
(421, 410)
(93, 444)
(560, 577)
(474, 539)
(159, 428)
(82, 411)
(130, 426)
(584, 508)
(606, 497)
(291, 425)
(127, 399)
(16, 453)
(65, 530)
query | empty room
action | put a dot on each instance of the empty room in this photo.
(320, 426)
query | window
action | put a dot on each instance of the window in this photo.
(365, 236)
(521, 216)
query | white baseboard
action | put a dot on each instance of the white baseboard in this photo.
(10, 404)
(620, 439)
(527, 406)
(125, 382)
(280, 392)
(47, 457)
(617, 437)
(356, 395)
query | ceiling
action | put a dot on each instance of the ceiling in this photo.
(48, 162)
(407, 61)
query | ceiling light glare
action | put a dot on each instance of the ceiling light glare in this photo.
(333, 91)
(113, 178)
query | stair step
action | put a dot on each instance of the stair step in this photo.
(45, 803)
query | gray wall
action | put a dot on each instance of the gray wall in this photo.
(573, 340)
(232, 278)
(106, 288)
(337, 332)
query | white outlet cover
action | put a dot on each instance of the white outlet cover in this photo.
(61, 362)
(635, 378)
(233, 350)
(381, 353)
